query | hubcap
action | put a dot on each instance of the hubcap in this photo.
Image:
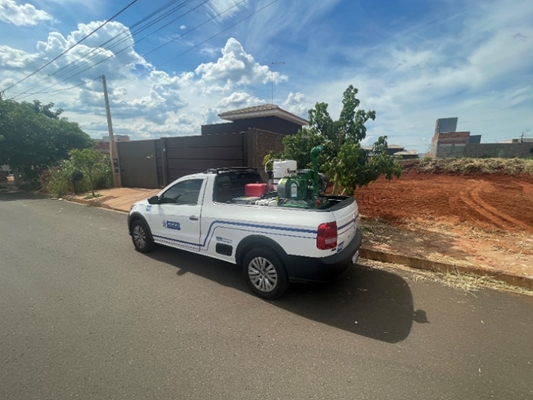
(263, 274)
(139, 236)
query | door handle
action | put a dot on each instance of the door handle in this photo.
(193, 218)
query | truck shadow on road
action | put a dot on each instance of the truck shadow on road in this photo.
(369, 302)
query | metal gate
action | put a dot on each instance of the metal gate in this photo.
(138, 164)
(190, 154)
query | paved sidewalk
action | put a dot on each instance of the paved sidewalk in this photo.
(121, 199)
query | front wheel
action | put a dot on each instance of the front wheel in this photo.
(265, 274)
(142, 239)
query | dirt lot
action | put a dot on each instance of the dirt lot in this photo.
(481, 220)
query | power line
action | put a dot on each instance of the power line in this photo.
(157, 48)
(71, 66)
(71, 47)
(211, 37)
(101, 48)
(193, 29)
(120, 51)
(198, 26)
(145, 54)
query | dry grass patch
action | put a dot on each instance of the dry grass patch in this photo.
(456, 280)
(507, 166)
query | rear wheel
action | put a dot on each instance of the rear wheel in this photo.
(142, 239)
(265, 274)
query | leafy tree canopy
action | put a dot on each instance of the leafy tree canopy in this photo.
(45, 109)
(342, 156)
(33, 136)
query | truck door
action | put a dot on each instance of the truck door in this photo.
(176, 221)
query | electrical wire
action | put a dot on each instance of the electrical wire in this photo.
(113, 55)
(73, 65)
(71, 47)
(219, 33)
(159, 47)
(143, 55)
(198, 26)
(204, 41)
(101, 47)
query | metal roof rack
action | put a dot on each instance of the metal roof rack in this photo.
(230, 169)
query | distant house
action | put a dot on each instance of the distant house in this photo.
(102, 145)
(267, 117)
(117, 138)
(396, 151)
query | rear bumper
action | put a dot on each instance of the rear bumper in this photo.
(307, 269)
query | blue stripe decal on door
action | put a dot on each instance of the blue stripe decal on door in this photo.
(277, 228)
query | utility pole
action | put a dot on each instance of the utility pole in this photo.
(113, 153)
(522, 137)
(272, 82)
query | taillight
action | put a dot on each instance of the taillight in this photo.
(327, 236)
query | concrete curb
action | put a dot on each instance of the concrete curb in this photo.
(94, 203)
(419, 263)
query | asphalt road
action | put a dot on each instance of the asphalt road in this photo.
(83, 315)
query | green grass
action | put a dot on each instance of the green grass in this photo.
(90, 196)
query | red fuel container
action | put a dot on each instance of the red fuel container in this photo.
(255, 189)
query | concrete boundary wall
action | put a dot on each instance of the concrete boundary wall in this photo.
(482, 150)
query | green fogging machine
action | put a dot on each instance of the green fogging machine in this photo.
(298, 188)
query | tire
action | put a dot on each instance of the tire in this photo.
(265, 274)
(141, 237)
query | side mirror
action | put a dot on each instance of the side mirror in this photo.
(154, 200)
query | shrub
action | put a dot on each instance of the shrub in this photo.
(60, 183)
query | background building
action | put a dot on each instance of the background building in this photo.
(447, 142)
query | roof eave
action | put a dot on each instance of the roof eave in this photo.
(266, 113)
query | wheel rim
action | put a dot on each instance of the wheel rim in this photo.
(139, 236)
(262, 274)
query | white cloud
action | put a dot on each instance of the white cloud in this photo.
(210, 115)
(21, 15)
(84, 62)
(239, 100)
(145, 102)
(296, 104)
(227, 8)
(235, 67)
(14, 59)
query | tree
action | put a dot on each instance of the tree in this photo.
(45, 109)
(32, 136)
(342, 156)
(88, 161)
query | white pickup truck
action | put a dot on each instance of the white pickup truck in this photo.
(275, 242)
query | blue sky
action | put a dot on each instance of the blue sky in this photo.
(412, 61)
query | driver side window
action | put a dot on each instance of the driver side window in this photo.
(186, 192)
